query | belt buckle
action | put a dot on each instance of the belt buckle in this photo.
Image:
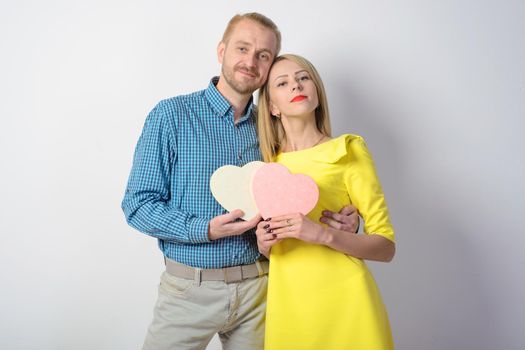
(232, 274)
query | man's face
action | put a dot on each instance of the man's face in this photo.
(247, 55)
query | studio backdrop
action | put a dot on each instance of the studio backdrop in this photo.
(437, 89)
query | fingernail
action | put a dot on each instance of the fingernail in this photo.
(266, 226)
(269, 231)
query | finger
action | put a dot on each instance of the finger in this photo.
(264, 230)
(332, 223)
(254, 221)
(267, 240)
(238, 226)
(272, 225)
(348, 210)
(264, 224)
(260, 225)
(329, 214)
(232, 216)
(350, 220)
(270, 237)
(287, 229)
(265, 236)
(270, 243)
(260, 234)
(273, 242)
(337, 217)
(352, 227)
(283, 217)
(286, 234)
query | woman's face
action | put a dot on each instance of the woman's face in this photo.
(292, 91)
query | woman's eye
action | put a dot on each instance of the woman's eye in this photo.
(305, 77)
(282, 83)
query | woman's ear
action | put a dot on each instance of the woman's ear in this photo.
(274, 110)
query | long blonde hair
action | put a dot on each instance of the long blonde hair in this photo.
(270, 128)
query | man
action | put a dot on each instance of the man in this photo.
(215, 280)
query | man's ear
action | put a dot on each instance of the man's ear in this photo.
(220, 51)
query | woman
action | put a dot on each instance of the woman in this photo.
(321, 294)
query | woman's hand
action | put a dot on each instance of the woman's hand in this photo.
(265, 238)
(297, 226)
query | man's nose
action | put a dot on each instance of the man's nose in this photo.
(251, 60)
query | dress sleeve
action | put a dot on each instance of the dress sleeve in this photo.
(365, 189)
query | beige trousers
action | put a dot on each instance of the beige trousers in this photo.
(188, 314)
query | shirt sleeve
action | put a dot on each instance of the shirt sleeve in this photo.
(365, 190)
(146, 201)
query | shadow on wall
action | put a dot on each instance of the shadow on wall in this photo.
(434, 289)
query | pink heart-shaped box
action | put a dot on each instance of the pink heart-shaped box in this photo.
(278, 192)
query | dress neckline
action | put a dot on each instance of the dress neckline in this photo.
(318, 146)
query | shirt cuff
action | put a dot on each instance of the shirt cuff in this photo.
(198, 231)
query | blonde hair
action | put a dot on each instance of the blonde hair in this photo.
(256, 17)
(270, 128)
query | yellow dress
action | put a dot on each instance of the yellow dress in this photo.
(319, 298)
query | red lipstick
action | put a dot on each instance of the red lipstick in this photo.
(298, 98)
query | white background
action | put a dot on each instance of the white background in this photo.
(437, 88)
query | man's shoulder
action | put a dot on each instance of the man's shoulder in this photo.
(172, 109)
(182, 100)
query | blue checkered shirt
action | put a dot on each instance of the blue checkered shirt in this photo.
(184, 140)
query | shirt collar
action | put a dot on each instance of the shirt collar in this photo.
(220, 105)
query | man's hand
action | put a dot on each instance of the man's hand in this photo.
(346, 220)
(225, 225)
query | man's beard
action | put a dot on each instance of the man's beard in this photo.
(237, 86)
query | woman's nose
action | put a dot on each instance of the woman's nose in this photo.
(297, 86)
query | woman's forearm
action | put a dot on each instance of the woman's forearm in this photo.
(362, 246)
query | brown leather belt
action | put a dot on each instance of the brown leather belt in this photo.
(227, 274)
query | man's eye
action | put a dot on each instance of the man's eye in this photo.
(242, 49)
(265, 56)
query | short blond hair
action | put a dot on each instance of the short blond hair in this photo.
(258, 18)
(270, 129)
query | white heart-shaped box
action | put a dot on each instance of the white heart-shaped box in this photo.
(232, 188)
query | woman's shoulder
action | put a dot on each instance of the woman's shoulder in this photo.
(343, 145)
(350, 138)
(331, 151)
(355, 143)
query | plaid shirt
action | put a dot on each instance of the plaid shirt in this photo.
(184, 140)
